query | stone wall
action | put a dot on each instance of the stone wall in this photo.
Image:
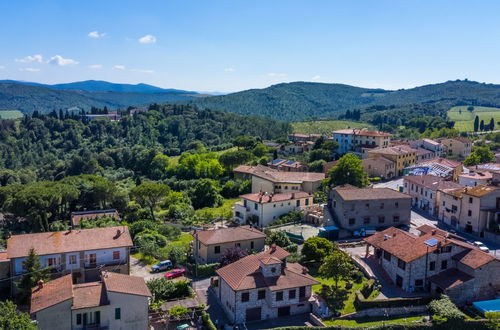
(391, 311)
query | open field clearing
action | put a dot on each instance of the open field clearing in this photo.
(326, 126)
(464, 119)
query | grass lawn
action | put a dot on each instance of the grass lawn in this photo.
(215, 212)
(147, 260)
(373, 321)
(10, 114)
(464, 119)
(326, 126)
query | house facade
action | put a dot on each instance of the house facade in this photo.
(473, 179)
(379, 166)
(81, 253)
(359, 141)
(117, 301)
(264, 286)
(262, 209)
(457, 147)
(437, 263)
(435, 147)
(288, 165)
(356, 208)
(209, 245)
(403, 156)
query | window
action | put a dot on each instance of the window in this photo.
(118, 313)
(279, 296)
(292, 294)
(261, 294)
(367, 205)
(444, 264)
(395, 218)
(366, 220)
(273, 269)
(237, 244)
(245, 296)
(381, 205)
(352, 221)
(469, 213)
(245, 203)
(274, 205)
(396, 204)
(470, 200)
(387, 256)
(381, 219)
(432, 265)
(78, 319)
(302, 291)
(431, 195)
(97, 317)
(334, 203)
(419, 282)
(217, 249)
(72, 259)
(401, 264)
(298, 203)
(116, 255)
(307, 201)
(251, 244)
(426, 193)
(256, 206)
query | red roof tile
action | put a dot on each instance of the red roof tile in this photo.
(52, 293)
(128, 284)
(87, 295)
(274, 175)
(270, 198)
(474, 258)
(227, 235)
(432, 182)
(450, 278)
(355, 193)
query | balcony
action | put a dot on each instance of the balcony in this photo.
(90, 265)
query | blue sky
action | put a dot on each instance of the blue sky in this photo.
(234, 45)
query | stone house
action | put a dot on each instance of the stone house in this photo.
(354, 208)
(116, 301)
(473, 179)
(83, 253)
(379, 166)
(288, 165)
(297, 148)
(209, 245)
(360, 141)
(301, 137)
(262, 209)
(459, 147)
(423, 191)
(76, 217)
(402, 155)
(436, 262)
(264, 286)
(435, 147)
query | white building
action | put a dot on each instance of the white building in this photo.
(261, 209)
(118, 301)
(428, 144)
(359, 141)
(475, 179)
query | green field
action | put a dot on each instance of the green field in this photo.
(464, 119)
(10, 114)
(326, 126)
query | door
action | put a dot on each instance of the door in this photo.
(253, 314)
(468, 228)
(92, 259)
(284, 311)
(399, 281)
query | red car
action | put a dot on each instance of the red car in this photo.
(175, 273)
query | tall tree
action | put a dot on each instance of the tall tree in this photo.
(149, 195)
(491, 126)
(12, 319)
(231, 255)
(34, 273)
(337, 266)
(349, 170)
(476, 124)
(481, 125)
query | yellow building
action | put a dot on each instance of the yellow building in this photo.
(402, 156)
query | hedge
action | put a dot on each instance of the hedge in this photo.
(360, 302)
(464, 325)
(207, 322)
(203, 270)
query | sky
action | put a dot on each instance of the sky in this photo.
(234, 45)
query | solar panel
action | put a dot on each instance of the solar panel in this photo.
(431, 242)
(276, 161)
(290, 162)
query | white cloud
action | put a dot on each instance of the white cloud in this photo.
(277, 75)
(142, 71)
(2, 67)
(229, 70)
(119, 67)
(29, 69)
(95, 66)
(96, 34)
(316, 77)
(147, 39)
(61, 61)
(35, 58)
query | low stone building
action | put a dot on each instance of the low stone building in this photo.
(472, 179)
(354, 208)
(436, 262)
(264, 286)
(459, 147)
(209, 245)
(379, 166)
(402, 156)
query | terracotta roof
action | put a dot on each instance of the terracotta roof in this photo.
(226, 235)
(76, 217)
(450, 278)
(422, 151)
(477, 176)
(355, 193)
(480, 191)
(378, 158)
(3, 256)
(52, 293)
(245, 273)
(396, 150)
(269, 260)
(128, 284)
(361, 132)
(274, 175)
(457, 192)
(270, 198)
(432, 182)
(443, 161)
(87, 295)
(68, 241)
(431, 141)
(474, 258)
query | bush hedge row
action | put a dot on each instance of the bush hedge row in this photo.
(203, 270)
(360, 302)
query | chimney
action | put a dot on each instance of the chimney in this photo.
(118, 233)
(433, 232)
(273, 247)
(304, 270)
(40, 284)
(260, 199)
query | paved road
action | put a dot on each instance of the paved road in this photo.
(393, 184)
(137, 268)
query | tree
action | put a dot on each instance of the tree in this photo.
(481, 125)
(491, 126)
(34, 274)
(349, 170)
(149, 195)
(470, 108)
(320, 154)
(231, 255)
(11, 319)
(480, 155)
(337, 266)
(476, 124)
(278, 237)
(205, 193)
(316, 248)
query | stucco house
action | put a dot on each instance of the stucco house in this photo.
(459, 147)
(77, 217)
(379, 166)
(81, 252)
(264, 286)
(436, 262)
(262, 209)
(116, 301)
(209, 245)
(360, 141)
(435, 148)
(402, 155)
(472, 179)
(354, 208)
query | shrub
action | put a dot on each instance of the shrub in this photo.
(360, 302)
(163, 289)
(357, 276)
(178, 311)
(207, 322)
(316, 248)
(444, 310)
(204, 270)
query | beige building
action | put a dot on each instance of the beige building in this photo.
(117, 301)
(264, 286)
(356, 208)
(209, 245)
(403, 156)
(436, 262)
(262, 209)
(288, 165)
(379, 166)
(480, 208)
(265, 179)
(459, 147)
(360, 141)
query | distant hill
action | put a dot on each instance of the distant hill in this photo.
(301, 100)
(30, 97)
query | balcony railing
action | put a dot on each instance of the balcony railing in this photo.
(89, 265)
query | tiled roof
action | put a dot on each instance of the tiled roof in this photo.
(269, 260)
(443, 161)
(87, 295)
(3, 256)
(245, 273)
(122, 283)
(422, 151)
(432, 182)
(355, 193)
(450, 278)
(76, 217)
(270, 198)
(52, 293)
(396, 150)
(68, 241)
(474, 258)
(226, 235)
(480, 191)
(477, 176)
(378, 158)
(429, 141)
(457, 192)
(361, 132)
(273, 175)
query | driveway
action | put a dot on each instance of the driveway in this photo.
(138, 268)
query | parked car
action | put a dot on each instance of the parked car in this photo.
(175, 273)
(481, 246)
(363, 232)
(161, 266)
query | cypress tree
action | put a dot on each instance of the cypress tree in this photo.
(492, 124)
(481, 125)
(476, 124)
